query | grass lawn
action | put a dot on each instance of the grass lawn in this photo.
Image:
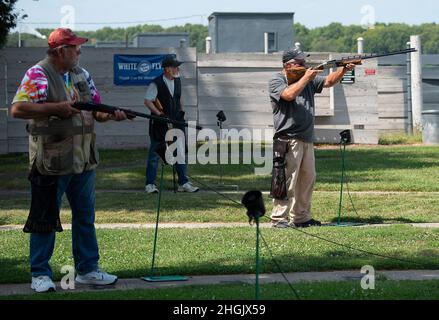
(127, 253)
(392, 168)
(209, 207)
(400, 138)
(385, 168)
(343, 290)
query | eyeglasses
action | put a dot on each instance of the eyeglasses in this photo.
(77, 47)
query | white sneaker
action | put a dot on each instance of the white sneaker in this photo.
(97, 277)
(151, 188)
(187, 187)
(42, 284)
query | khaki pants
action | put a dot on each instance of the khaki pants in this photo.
(301, 175)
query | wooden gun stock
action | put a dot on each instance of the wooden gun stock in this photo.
(158, 105)
(343, 63)
(294, 74)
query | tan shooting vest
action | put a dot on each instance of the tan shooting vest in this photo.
(58, 146)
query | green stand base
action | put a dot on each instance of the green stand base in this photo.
(165, 278)
(160, 278)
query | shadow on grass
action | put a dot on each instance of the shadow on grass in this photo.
(330, 261)
(360, 163)
(366, 159)
(3, 220)
(196, 202)
(373, 220)
(126, 170)
(14, 270)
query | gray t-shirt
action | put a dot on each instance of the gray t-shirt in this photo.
(294, 119)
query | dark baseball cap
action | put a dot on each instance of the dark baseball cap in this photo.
(293, 54)
(170, 61)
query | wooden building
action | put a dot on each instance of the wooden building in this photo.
(237, 84)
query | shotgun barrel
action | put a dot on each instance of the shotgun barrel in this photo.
(99, 107)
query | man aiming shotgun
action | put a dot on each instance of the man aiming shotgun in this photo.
(293, 107)
(292, 99)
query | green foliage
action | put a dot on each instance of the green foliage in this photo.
(430, 37)
(334, 37)
(384, 37)
(197, 34)
(8, 19)
(387, 37)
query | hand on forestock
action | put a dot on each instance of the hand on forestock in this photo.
(349, 67)
(65, 110)
(119, 115)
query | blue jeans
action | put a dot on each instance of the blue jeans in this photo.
(152, 164)
(80, 191)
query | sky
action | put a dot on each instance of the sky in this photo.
(92, 15)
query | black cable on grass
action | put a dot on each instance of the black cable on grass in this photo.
(350, 198)
(318, 237)
(260, 233)
(355, 249)
(349, 193)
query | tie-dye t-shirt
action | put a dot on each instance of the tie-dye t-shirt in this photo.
(33, 87)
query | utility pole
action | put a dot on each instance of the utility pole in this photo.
(416, 82)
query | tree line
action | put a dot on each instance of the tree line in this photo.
(197, 34)
(383, 37)
(334, 37)
(8, 19)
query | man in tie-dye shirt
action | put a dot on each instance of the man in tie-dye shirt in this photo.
(39, 99)
(33, 87)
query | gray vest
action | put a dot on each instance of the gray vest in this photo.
(63, 146)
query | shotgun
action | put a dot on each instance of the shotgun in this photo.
(90, 106)
(294, 74)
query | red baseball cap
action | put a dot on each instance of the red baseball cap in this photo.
(64, 36)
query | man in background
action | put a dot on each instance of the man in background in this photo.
(163, 98)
